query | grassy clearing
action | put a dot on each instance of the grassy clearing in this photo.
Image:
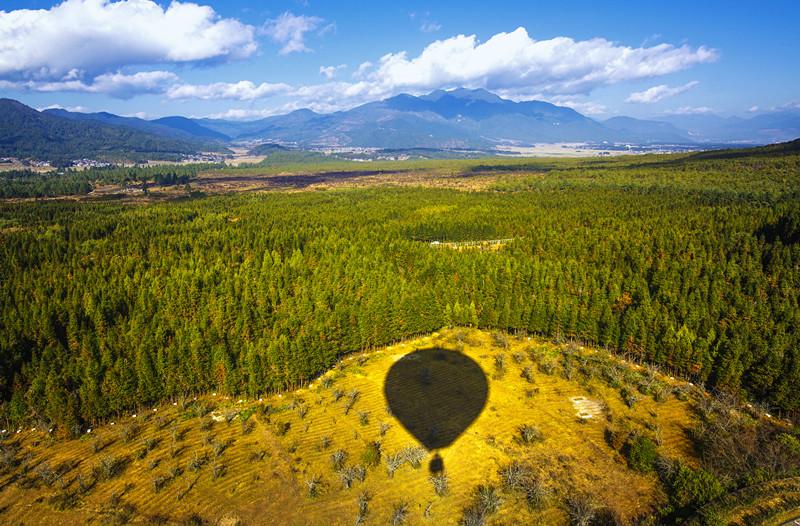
(333, 453)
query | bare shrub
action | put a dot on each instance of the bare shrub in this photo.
(281, 428)
(629, 397)
(485, 503)
(440, 482)
(201, 408)
(414, 455)
(399, 514)
(529, 434)
(46, 474)
(547, 366)
(393, 463)
(314, 486)
(500, 340)
(98, 444)
(218, 470)
(660, 391)
(108, 468)
(487, 499)
(352, 474)
(581, 509)
(519, 477)
(499, 366)
(257, 456)
(352, 397)
(129, 432)
(527, 374)
(159, 482)
(248, 426)
(338, 458)
(197, 462)
(175, 471)
(363, 508)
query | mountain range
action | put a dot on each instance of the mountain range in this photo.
(460, 118)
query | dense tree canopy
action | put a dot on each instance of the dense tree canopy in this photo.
(691, 265)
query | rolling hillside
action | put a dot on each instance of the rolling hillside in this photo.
(27, 133)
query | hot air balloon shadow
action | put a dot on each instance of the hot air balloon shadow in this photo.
(436, 394)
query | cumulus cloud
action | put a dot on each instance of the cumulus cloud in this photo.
(290, 30)
(79, 38)
(330, 71)
(515, 61)
(363, 69)
(660, 92)
(242, 90)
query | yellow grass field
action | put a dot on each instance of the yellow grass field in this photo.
(249, 471)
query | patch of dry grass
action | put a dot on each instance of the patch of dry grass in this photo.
(222, 471)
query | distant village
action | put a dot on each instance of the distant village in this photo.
(94, 163)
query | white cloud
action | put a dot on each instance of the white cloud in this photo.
(290, 30)
(580, 105)
(113, 84)
(330, 71)
(363, 69)
(691, 110)
(77, 109)
(514, 61)
(660, 92)
(124, 86)
(430, 27)
(79, 38)
(240, 114)
(242, 90)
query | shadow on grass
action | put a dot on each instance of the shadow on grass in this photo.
(436, 394)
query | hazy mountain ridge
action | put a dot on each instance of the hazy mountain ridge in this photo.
(459, 118)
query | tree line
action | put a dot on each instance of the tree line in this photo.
(27, 183)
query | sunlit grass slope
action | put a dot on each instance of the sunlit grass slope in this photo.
(332, 452)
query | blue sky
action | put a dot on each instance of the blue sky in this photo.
(239, 59)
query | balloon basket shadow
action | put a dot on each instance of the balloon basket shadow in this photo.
(436, 465)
